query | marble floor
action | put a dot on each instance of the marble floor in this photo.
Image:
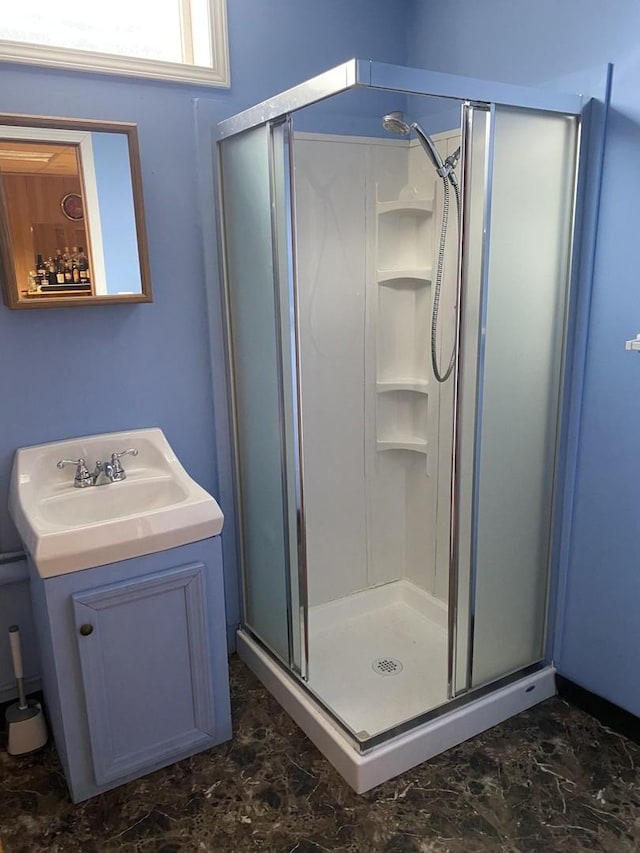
(552, 779)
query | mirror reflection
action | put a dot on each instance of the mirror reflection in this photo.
(43, 195)
(72, 229)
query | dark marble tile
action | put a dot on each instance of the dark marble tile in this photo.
(552, 779)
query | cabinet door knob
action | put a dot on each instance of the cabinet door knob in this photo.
(85, 630)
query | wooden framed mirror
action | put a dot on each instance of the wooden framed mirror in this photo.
(72, 227)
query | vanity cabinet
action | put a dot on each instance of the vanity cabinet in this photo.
(135, 663)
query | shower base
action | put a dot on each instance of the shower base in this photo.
(379, 657)
(356, 644)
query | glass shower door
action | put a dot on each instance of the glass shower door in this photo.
(255, 202)
(521, 329)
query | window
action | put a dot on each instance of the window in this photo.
(172, 39)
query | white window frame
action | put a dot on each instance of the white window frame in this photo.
(85, 60)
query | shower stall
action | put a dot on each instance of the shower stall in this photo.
(397, 253)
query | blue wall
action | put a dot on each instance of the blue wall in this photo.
(67, 372)
(533, 43)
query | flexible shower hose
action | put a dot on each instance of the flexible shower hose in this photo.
(442, 377)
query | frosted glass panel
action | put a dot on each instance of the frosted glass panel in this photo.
(254, 322)
(533, 179)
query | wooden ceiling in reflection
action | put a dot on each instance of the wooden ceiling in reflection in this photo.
(35, 158)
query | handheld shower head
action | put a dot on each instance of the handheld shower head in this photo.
(395, 123)
(430, 149)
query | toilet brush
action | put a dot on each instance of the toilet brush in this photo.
(26, 727)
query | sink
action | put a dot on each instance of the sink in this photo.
(85, 506)
(65, 529)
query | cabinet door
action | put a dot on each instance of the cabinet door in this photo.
(146, 670)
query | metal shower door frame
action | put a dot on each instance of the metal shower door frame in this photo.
(364, 73)
(466, 277)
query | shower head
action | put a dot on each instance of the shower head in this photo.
(395, 123)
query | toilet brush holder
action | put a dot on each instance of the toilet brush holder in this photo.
(26, 727)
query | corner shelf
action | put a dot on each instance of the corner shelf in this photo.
(404, 228)
(400, 277)
(417, 445)
(418, 386)
(417, 206)
(404, 259)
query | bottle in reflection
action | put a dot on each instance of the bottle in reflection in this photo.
(41, 273)
(51, 272)
(59, 269)
(83, 266)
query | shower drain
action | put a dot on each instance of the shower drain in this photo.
(386, 666)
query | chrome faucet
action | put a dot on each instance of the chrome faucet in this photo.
(112, 471)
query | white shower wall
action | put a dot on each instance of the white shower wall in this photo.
(371, 516)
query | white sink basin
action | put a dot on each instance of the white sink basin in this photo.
(65, 529)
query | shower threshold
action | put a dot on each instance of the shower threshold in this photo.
(364, 770)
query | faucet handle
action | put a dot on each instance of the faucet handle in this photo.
(116, 456)
(117, 472)
(64, 462)
(82, 477)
